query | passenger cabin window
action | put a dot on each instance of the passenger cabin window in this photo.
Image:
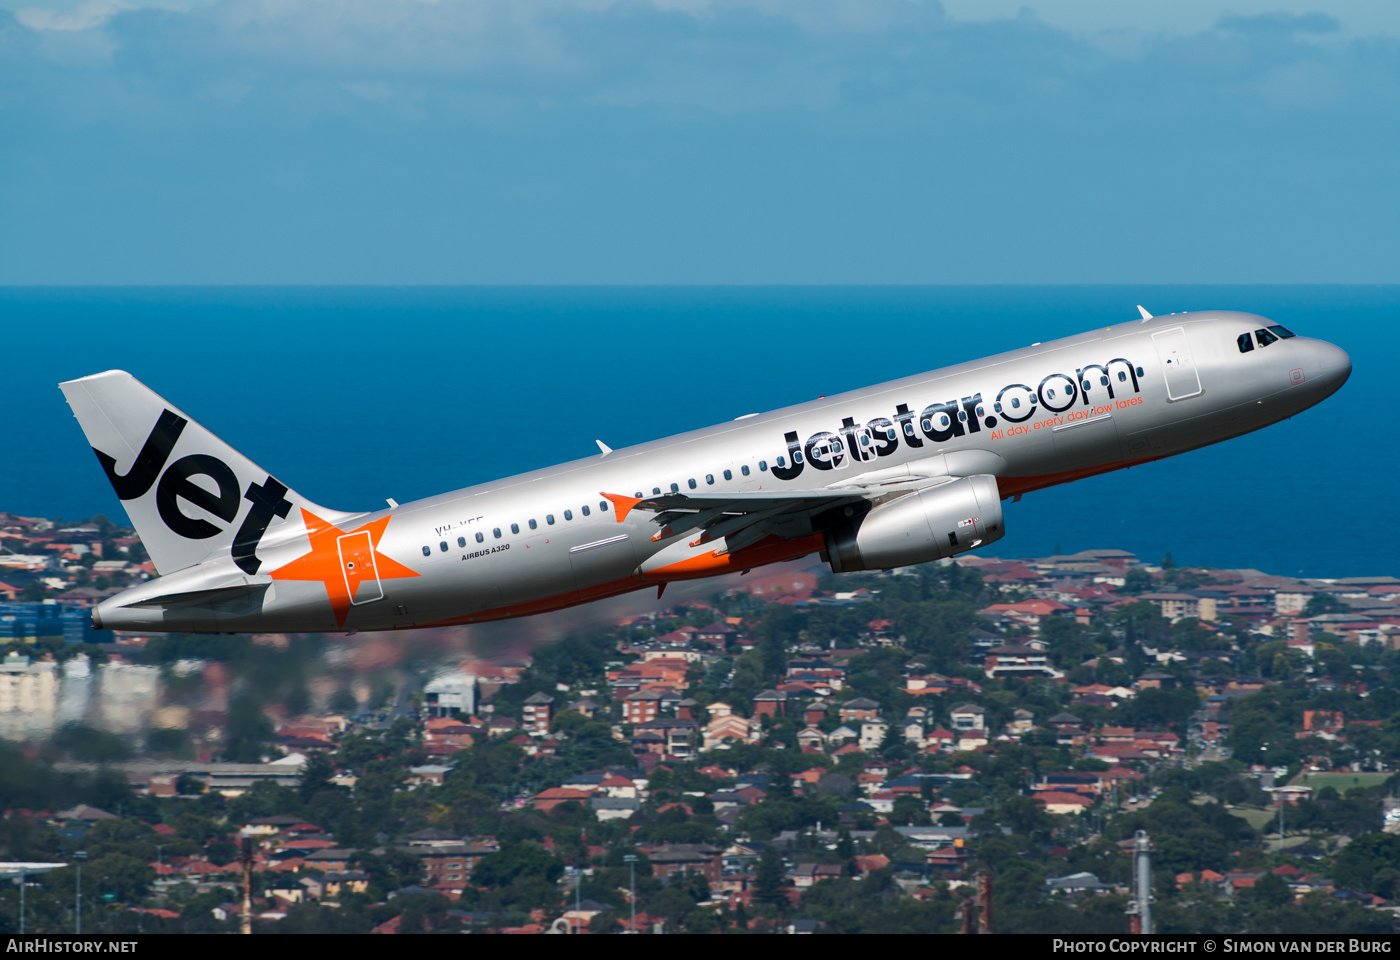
(427, 551)
(1264, 337)
(675, 488)
(709, 479)
(443, 546)
(691, 483)
(729, 474)
(480, 537)
(1122, 378)
(782, 462)
(1283, 333)
(1245, 342)
(461, 541)
(763, 464)
(1139, 371)
(603, 506)
(584, 508)
(515, 528)
(744, 469)
(656, 491)
(534, 525)
(549, 519)
(568, 514)
(496, 532)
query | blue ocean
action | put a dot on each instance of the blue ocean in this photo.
(353, 395)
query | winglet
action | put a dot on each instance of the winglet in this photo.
(603, 447)
(623, 504)
(1143, 311)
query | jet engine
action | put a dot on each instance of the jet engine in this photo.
(928, 524)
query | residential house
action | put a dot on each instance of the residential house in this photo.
(968, 716)
(770, 703)
(872, 734)
(673, 858)
(1018, 660)
(641, 706)
(537, 712)
(861, 708)
(725, 726)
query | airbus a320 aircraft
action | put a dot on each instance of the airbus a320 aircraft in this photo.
(892, 475)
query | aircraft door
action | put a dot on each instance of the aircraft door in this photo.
(1178, 366)
(358, 568)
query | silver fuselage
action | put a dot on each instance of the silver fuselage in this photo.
(1155, 388)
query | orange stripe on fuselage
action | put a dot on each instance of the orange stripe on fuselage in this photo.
(559, 601)
(766, 551)
(1015, 486)
(771, 550)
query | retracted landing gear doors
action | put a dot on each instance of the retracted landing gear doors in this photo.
(1174, 351)
(359, 569)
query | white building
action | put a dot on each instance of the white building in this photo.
(450, 694)
(28, 697)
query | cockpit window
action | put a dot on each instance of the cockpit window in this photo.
(1246, 344)
(1264, 337)
(1283, 332)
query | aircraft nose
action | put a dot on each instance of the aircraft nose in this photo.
(1333, 364)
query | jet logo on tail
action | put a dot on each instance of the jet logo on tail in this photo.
(267, 498)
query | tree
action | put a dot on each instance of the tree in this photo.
(315, 775)
(1136, 581)
(1272, 890)
(343, 701)
(516, 861)
(1362, 860)
(246, 732)
(770, 879)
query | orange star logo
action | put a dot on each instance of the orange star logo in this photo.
(343, 560)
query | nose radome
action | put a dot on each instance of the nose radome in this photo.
(1333, 363)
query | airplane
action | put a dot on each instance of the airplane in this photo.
(889, 476)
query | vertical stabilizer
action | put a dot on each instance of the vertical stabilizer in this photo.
(189, 495)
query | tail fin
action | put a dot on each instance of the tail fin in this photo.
(190, 495)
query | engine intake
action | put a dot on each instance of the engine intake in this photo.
(929, 524)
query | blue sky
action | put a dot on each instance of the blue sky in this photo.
(777, 141)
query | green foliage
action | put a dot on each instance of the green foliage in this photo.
(1160, 708)
(1263, 725)
(770, 879)
(1142, 622)
(524, 860)
(1187, 836)
(88, 745)
(1366, 856)
(246, 732)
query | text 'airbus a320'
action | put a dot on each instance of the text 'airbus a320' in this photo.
(888, 476)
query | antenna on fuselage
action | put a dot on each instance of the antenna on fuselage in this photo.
(1143, 310)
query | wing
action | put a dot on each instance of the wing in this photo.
(743, 519)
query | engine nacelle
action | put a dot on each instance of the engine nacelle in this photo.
(930, 524)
